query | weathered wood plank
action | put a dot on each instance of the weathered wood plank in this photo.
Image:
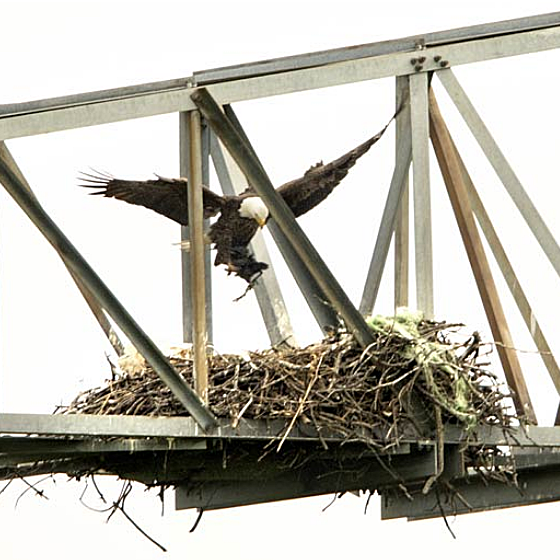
(198, 276)
(458, 195)
(510, 276)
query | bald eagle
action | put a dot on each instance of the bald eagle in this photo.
(240, 216)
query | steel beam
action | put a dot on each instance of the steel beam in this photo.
(402, 235)
(406, 44)
(316, 299)
(300, 483)
(502, 168)
(388, 220)
(267, 289)
(88, 110)
(95, 308)
(291, 63)
(458, 196)
(93, 425)
(30, 205)
(41, 447)
(184, 170)
(422, 197)
(473, 494)
(197, 269)
(510, 276)
(283, 216)
(185, 427)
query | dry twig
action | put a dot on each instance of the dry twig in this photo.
(334, 386)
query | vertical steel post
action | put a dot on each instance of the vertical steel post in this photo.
(458, 196)
(198, 277)
(184, 166)
(421, 188)
(401, 236)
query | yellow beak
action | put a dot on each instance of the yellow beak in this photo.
(261, 223)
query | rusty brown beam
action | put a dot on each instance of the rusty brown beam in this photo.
(458, 195)
(197, 279)
(510, 277)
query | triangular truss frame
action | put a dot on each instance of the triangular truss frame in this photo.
(209, 128)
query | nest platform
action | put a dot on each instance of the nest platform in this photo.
(414, 413)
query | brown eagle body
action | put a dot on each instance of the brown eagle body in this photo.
(231, 232)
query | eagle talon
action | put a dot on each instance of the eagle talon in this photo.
(247, 290)
(250, 285)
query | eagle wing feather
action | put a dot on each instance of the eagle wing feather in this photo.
(165, 196)
(303, 194)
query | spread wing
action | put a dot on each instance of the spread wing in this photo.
(164, 196)
(303, 194)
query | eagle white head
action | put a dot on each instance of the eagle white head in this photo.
(253, 207)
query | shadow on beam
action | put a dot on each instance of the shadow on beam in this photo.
(473, 494)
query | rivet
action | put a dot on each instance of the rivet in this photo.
(444, 63)
(413, 61)
(437, 58)
(422, 59)
(418, 67)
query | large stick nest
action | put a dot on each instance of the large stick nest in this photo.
(416, 373)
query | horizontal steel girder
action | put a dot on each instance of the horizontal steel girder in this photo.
(185, 427)
(473, 494)
(130, 102)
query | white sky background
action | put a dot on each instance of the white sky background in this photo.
(51, 348)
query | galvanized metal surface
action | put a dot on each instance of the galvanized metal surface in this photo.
(290, 63)
(388, 220)
(87, 109)
(61, 102)
(142, 426)
(503, 169)
(314, 295)
(305, 482)
(422, 196)
(402, 233)
(474, 494)
(72, 258)
(406, 44)
(13, 447)
(198, 273)
(186, 427)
